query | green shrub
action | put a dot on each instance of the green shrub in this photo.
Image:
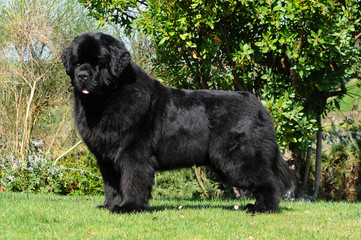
(34, 176)
(74, 175)
(183, 183)
(176, 183)
(292, 125)
(79, 175)
(342, 162)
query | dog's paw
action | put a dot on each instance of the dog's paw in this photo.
(101, 207)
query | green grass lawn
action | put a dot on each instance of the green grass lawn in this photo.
(350, 106)
(352, 100)
(31, 216)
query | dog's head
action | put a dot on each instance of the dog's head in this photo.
(95, 62)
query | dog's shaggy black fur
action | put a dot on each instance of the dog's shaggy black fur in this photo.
(134, 126)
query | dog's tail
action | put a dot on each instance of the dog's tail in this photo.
(286, 176)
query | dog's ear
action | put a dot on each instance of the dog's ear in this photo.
(66, 58)
(120, 58)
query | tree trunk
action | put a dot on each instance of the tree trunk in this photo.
(307, 168)
(318, 157)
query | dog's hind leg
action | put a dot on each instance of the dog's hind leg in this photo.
(267, 199)
(252, 169)
(263, 187)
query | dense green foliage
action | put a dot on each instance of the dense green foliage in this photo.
(75, 175)
(342, 162)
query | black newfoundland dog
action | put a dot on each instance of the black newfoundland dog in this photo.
(134, 126)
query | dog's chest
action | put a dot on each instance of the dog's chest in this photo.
(98, 128)
(106, 131)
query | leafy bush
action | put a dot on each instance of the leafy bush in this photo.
(183, 183)
(176, 183)
(291, 123)
(80, 175)
(342, 162)
(76, 175)
(35, 176)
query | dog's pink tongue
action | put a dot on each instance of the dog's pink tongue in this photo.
(85, 91)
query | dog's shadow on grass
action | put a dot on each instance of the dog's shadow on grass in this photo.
(164, 207)
(203, 205)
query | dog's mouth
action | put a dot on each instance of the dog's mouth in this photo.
(85, 91)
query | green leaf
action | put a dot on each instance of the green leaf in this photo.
(183, 36)
(163, 40)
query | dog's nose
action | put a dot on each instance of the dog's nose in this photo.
(83, 75)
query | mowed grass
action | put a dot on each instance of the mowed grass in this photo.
(32, 216)
(352, 100)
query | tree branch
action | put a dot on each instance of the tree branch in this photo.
(65, 153)
(238, 84)
(358, 36)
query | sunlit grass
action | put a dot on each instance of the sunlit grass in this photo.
(30, 216)
(352, 99)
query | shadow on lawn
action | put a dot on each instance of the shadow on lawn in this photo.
(204, 204)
